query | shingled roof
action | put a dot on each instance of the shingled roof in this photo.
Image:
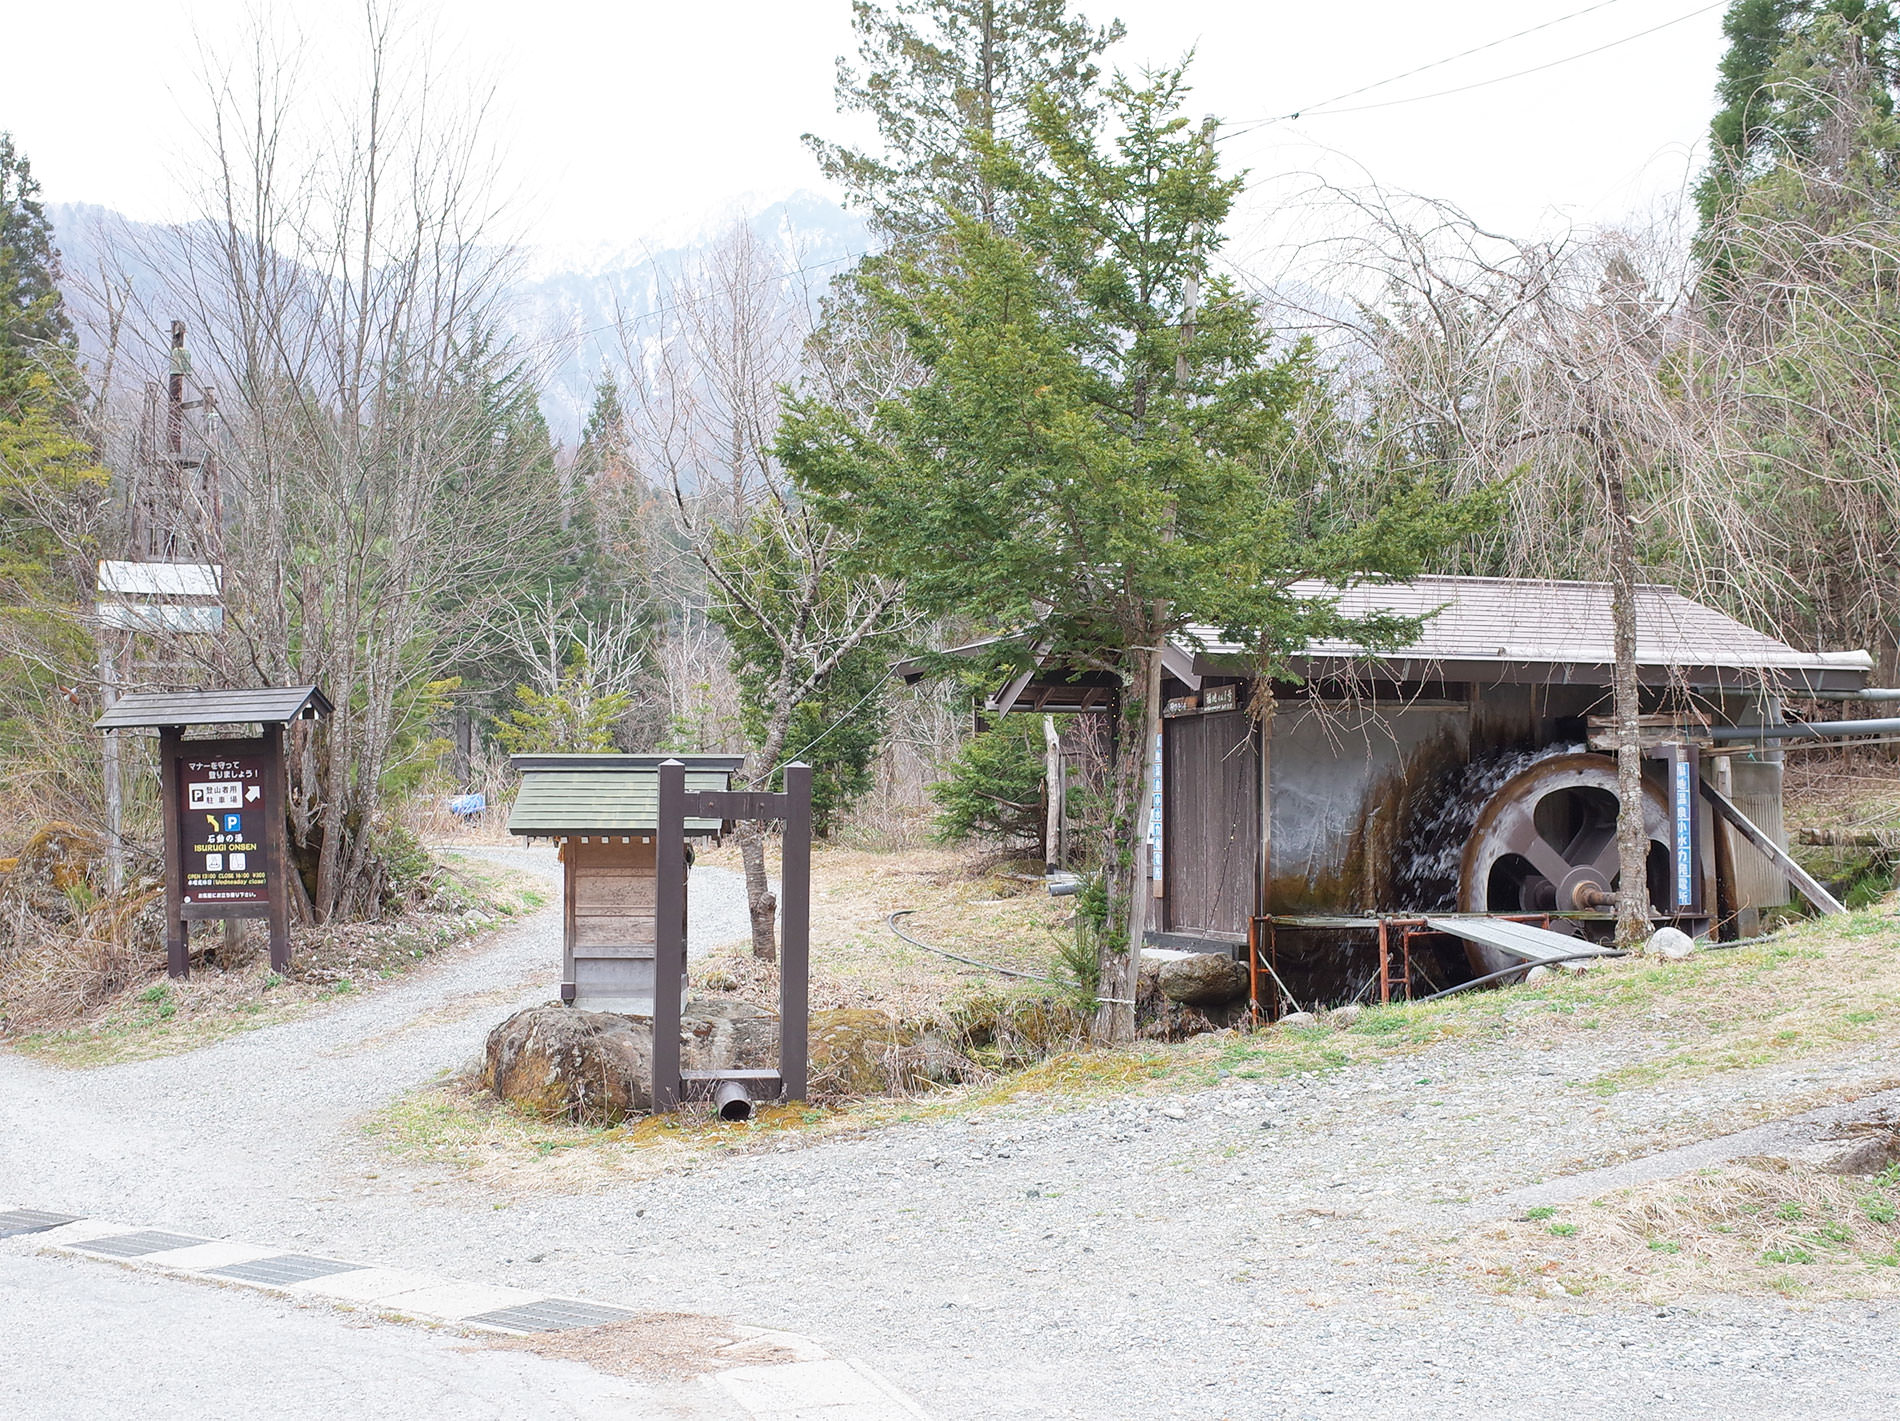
(1534, 629)
(571, 795)
(272, 705)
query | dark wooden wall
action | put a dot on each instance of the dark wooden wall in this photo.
(1211, 822)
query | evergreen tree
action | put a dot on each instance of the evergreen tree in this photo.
(51, 485)
(33, 319)
(835, 725)
(1791, 69)
(934, 73)
(1081, 462)
(994, 787)
(46, 464)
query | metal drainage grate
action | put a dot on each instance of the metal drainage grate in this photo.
(31, 1221)
(552, 1315)
(139, 1244)
(283, 1269)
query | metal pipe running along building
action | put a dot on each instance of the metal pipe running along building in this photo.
(1464, 773)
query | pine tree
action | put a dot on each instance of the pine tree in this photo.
(1792, 71)
(935, 72)
(33, 319)
(1081, 462)
(46, 463)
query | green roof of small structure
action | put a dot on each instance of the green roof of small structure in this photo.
(606, 794)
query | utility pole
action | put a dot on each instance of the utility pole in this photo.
(175, 510)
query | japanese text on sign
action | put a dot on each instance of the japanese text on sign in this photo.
(1683, 804)
(221, 829)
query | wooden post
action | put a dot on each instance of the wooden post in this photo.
(794, 976)
(177, 945)
(669, 933)
(276, 851)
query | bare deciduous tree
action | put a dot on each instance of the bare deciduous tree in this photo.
(706, 401)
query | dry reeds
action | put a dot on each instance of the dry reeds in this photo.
(66, 947)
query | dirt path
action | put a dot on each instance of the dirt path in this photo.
(261, 1129)
(1263, 1248)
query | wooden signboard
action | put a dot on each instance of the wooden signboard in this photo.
(225, 855)
(226, 852)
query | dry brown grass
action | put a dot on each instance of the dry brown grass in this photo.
(67, 1003)
(1750, 1227)
(967, 903)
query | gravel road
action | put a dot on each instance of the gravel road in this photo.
(1240, 1251)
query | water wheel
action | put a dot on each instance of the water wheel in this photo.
(1546, 843)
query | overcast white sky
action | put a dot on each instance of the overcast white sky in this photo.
(626, 118)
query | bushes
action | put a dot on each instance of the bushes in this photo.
(994, 790)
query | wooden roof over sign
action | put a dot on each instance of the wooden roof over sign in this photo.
(568, 795)
(272, 705)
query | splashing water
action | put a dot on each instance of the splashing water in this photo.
(1433, 848)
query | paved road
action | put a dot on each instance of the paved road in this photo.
(1247, 1251)
(86, 1340)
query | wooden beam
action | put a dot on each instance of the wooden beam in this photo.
(1810, 887)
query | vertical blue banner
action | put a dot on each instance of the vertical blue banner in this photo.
(1155, 821)
(1682, 800)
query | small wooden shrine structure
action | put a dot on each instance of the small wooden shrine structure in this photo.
(226, 851)
(623, 823)
(603, 810)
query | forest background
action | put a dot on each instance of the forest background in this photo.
(1037, 400)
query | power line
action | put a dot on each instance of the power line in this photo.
(1324, 104)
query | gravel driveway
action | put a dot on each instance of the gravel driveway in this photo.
(1241, 1251)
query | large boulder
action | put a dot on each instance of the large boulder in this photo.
(596, 1067)
(1203, 979)
(1159, 1017)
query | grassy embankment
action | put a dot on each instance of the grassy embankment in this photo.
(1816, 990)
(160, 1017)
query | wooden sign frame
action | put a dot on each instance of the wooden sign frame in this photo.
(793, 809)
(180, 912)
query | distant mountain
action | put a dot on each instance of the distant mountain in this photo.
(568, 305)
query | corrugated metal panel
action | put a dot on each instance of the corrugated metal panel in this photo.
(1519, 940)
(161, 579)
(269, 706)
(1525, 619)
(1756, 791)
(594, 801)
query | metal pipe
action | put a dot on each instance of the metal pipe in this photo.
(733, 1101)
(1823, 730)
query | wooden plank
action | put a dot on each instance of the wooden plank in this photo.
(617, 893)
(591, 932)
(1810, 887)
(603, 951)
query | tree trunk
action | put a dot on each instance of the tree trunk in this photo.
(1052, 806)
(1632, 838)
(761, 903)
(1130, 879)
